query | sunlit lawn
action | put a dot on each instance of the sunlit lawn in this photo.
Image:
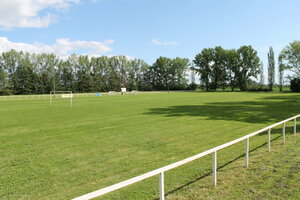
(60, 152)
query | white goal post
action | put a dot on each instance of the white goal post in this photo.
(63, 95)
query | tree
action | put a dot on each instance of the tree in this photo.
(219, 68)
(3, 78)
(100, 68)
(114, 79)
(232, 65)
(178, 74)
(67, 80)
(161, 71)
(262, 76)
(291, 57)
(281, 68)
(203, 62)
(295, 85)
(10, 62)
(144, 77)
(24, 75)
(248, 66)
(271, 68)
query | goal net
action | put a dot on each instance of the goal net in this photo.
(61, 96)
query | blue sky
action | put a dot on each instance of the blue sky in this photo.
(147, 29)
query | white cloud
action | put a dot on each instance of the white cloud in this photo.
(157, 42)
(27, 13)
(62, 47)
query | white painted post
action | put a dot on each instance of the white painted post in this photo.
(161, 186)
(269, 140)
(295, 125)
(247, 152)
(283, 133)
(214, 168)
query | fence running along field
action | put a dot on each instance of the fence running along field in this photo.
(212, 151)
(47, 96)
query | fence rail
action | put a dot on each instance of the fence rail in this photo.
(47, 96)
(212, 151)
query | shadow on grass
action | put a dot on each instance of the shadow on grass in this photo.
(219, 167)
(267, 109)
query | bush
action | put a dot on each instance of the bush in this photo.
(6, 92)
(192, 86)
(295, 85)
(258, 88)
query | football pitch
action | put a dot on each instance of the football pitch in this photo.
(61, 152)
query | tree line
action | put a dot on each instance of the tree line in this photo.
(221, 68)
(241, 68)
(218, 68)
(25, 73)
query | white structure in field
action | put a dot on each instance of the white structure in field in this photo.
(62, 95)
(123, 91)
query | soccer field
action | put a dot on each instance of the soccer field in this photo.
(60, 152)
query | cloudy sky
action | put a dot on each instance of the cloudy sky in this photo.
(146, 29)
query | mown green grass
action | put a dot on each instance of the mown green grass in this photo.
(61, 152)
(274, 175)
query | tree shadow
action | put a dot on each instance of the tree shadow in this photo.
(262, 110)
(219, 167)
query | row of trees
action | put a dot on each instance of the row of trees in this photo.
(25, 73)
(237, 68)
(220, 68)
(288, 59)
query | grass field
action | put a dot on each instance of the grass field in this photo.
(61, 152)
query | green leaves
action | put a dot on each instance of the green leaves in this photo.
(290, 57)
(169, 73)
(219, 68)
(271, 68)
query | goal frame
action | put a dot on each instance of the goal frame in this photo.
(61, 92)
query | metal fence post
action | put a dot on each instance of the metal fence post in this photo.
(247, 152)
(161, 186)
(283, 133)
(214, 168)
(295, 126)
(269, 140)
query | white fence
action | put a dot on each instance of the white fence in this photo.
(42, 96)
(46, 96)
(212, 151)
(24, 97)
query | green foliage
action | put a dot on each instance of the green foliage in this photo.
(192, 86)
(271, 68)
(203, 63)
(261, 73)
(295, 85)
(169, 73)
(248, 66)
(24, 73)
(281, 69)
(219, 68)
(290, 56)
